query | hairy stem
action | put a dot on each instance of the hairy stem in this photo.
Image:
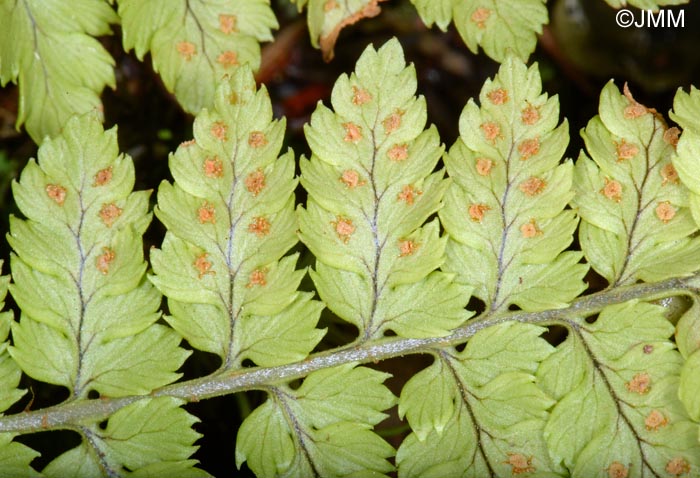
(225, 383)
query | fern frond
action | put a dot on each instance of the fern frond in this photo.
(618, 410)
(9, 371)
(501, 28)
(371, 188)
(150, 438)
(478, 412)
(78, 271)
(14, 457)
(194, 44)
(505, 209)
(88, 314)
(230, 219)
(685, 110)
(323, 428)
(636, 223)
(51, 53)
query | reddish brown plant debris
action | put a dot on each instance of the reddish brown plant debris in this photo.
(227, 23)
(617, 470)
(343, 228)
(479, 17)
(392, 122)
(227, 59)
(625, 150)
(56, 193)
(257, 139)
(669, 174)
(671, 136)
(483, 166)
(530, 229)
(520, 463)
(353, 133)
(665, 212)
(327, 41)
(255, 182)
(260, 227)
(398, 152)
(408, 194)
(109, 213)
(655, 420)
(257, 277)
(219, 130)
(612, 190)
(213, 167)
(360, 96)
(202, 265)
(407, 247)
(648, 348)
(206, 213)
(351, 179)
(477, 211)
(530, 115)
(102, 177)
(186, 50)
(640, 383)
(498, 96)
(678, 466)
(533, 186)
(491, 131)
(528, 148)
(104, 260)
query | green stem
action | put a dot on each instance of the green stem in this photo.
(225, 383)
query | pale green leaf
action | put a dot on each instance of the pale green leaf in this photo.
(10, 373)
(435, 413)
(60, 68)
(636, 224)
(620, 414)
(688, 329)
(689, 390)
(327, 18)
(500, 27)
(685, 111)
(504, 211)
(685, 108)
(79, 271)
(435, 11)
(15, 458)
(321, 428)
(179, 469)
(76, 462)
(265, 441)
(146, 438)
(370, 192)
(478, 412)
(230, 220)
(349, 449)
(195, 44)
